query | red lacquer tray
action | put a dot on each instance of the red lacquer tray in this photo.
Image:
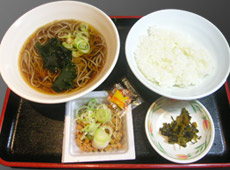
(31, 134)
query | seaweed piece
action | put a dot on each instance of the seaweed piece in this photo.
(65, 79)
(181, 130)
(54, 55)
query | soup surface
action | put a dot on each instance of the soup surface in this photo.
(62, 56)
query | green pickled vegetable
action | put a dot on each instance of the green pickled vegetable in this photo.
(181, 130)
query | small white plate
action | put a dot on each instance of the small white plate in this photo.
(161, 112)
(70, 150)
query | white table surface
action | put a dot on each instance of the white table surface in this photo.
(10, 10)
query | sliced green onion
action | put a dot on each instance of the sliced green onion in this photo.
(82, 46)
(90, 136)
(103, 113)
(101, 137)
(94, 115)
(76, 54)
(83, 36)
(92, 103)
(68, 46)
(100, 144)
(91, 128)
(77, 41)
(87, 116)
(84, 27)
(69, 40)
(80, 110)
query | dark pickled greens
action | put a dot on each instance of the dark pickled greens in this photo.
(56, 57)
(181, 131)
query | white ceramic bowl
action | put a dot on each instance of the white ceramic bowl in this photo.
(194, 26)
(161, 112)
(28, 23)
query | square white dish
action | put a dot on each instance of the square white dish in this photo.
(70, 150)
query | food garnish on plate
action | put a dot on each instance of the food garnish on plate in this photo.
(181, 131)
(98, 127)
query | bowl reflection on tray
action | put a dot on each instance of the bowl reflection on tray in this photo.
(162, 111)
(168, 57)
(65, 49)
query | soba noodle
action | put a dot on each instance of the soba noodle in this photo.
(87, 65)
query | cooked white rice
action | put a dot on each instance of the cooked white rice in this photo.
(169, 58)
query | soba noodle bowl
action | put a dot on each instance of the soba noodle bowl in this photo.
(87, 63)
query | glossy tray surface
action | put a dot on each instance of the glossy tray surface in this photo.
(33, 133)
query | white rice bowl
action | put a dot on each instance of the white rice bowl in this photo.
(185, 77)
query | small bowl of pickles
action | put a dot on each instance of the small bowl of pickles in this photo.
(180, 131)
